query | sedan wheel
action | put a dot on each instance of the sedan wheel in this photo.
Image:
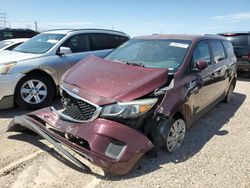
(34, 92)
(175, 135)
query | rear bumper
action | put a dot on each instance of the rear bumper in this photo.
(98, 137)
(243, 66)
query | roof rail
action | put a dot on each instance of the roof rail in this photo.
(70, 29)
(86, 29)
(100, 30)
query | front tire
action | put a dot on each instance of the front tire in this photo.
(175, 134)
(34, 92)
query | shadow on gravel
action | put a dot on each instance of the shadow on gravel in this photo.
(200, 133)
(10, 113)
(34, 139)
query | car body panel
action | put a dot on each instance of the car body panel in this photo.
(115, 81)
(12, 56)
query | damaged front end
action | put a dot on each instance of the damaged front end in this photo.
(106, 106)
(108, 144)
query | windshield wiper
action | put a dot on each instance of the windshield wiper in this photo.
(134, 63)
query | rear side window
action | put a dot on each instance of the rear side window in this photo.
(201, 53)
(78, 43)
(101, 41)
(229, 48)
(218, 50)
(238, 40)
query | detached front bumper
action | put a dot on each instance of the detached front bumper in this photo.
(110, 145)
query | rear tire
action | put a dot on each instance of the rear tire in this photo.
(34, 92)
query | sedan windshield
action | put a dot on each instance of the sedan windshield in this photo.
(4, 44)
(164, 53)
(39, 44)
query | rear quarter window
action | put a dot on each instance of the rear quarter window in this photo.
(101, 41)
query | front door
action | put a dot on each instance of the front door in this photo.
(204, 92)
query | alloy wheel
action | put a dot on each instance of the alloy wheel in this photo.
(176, 135)
(34, 91)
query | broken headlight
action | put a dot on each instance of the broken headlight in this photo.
(131, 109)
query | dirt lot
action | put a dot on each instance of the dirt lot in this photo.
(216, 153)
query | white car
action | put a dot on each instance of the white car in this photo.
(10, 44)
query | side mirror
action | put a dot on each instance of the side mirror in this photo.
(63, 51)
(200, 65)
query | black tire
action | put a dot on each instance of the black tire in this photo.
(47, 99)
(229, 94)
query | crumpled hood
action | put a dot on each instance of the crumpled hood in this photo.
(113, 80)
(7, 56)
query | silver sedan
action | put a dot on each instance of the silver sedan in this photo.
(30, 74)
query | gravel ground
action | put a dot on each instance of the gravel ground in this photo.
(215, 154)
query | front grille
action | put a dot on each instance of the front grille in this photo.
(76, 108)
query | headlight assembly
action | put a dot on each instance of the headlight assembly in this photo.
(131, 109)
(5, 68)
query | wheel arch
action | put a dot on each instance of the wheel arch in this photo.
(233, 81)
(43, 73)
(183, 112)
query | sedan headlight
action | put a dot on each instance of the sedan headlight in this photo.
(131, 109)
(4, 68)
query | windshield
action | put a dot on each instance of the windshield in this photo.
(39, 44)
(4, 44)
(166, 53)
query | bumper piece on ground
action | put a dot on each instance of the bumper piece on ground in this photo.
(110, 145)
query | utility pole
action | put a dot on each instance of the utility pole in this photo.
(36, 27)
(3, 20)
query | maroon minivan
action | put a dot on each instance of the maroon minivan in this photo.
(144, 94)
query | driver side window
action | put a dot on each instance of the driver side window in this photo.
(78, 43)
(201, 53)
